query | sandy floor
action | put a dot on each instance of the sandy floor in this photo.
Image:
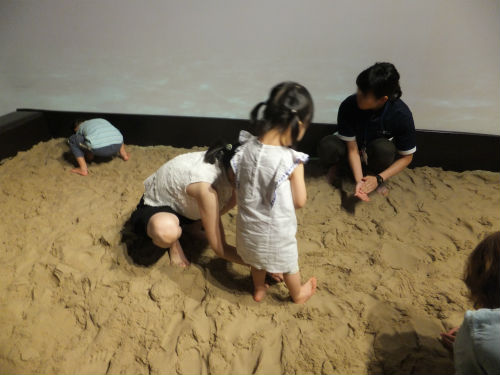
(72, 300)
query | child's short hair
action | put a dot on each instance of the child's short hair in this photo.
(288, 104)
(77, 122)
(482, 273)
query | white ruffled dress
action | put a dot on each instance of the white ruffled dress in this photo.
(266, 223)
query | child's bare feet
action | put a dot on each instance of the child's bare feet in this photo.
(80, 171)
(177, 257)
(123, 153)
(260, 292)
(306, 291)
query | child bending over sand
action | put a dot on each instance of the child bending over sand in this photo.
(95, 137)
(270, 185)
(476, 344)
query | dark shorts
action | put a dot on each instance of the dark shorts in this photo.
(140, 217)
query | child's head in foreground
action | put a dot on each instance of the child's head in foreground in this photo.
(288, 109)
(482, 273)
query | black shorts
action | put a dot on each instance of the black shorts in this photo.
(140, 217)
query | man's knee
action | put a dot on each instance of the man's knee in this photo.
(331, 150)
(164, 229)
(381, 154)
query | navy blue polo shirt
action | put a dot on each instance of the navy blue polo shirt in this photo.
(393, 121)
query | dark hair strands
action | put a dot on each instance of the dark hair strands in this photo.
(381, 79)
(289, 104)
(482, 273)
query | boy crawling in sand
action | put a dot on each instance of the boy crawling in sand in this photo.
(96, 137)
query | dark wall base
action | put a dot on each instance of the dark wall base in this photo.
(448, 150)
(19, 131)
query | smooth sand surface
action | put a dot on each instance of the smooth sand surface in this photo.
(73, 301)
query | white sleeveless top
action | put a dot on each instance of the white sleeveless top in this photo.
(266, 223)
(167, 186)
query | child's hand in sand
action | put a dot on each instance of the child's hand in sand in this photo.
(448, 338)
(360, 193)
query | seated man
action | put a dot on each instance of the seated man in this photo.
(375, 131)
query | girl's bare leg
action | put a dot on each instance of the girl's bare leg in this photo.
(164, 229)
(177, 256)
(300, 293)
(123, 153)
(259, 284)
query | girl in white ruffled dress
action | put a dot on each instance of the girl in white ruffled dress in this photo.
(269, 177)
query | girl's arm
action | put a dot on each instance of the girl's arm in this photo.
(298, 185)
(230, 204)
(208, 204)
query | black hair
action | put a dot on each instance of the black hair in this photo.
(221, 152)
(289, 103)
(77, 122)
(381, 79)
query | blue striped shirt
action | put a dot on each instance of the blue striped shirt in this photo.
(99, 133)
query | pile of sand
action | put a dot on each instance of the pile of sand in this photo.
(389, 277)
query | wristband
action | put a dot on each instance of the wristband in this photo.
(380, 180)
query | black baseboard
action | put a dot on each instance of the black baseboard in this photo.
(19, 131)
(449, 150)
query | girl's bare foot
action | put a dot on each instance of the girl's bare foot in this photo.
(177, 257)
(306, 291)
(80, 171)
(260, 292)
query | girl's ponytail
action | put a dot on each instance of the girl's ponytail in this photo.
(289, 105)
(221, 152)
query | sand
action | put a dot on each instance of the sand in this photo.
(389, 277)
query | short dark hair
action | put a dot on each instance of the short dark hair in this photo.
(288, 104)
(77, 122)
(381, 79)
(482, 273)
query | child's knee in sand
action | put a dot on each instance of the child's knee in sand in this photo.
(164, 229)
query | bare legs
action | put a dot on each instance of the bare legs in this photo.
(164, 229)
(299, 293)
(123, 153)
(82, 166)
(89, 156)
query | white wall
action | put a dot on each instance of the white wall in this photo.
(218, 58)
